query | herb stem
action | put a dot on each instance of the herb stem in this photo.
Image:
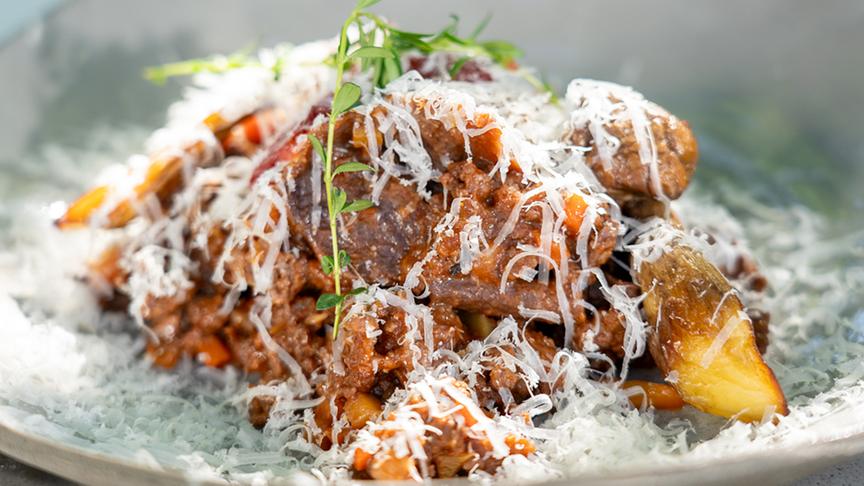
(328, 179)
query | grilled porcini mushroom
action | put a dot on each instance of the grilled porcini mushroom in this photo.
(703, 340)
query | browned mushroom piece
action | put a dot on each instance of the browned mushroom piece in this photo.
(705, 339)
(635, 148)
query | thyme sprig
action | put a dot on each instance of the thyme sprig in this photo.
(345, 96)
(214, 64)
(382, 45)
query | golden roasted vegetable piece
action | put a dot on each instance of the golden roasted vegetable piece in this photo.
(703, 336)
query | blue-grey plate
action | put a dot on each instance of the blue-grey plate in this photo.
(773, 89)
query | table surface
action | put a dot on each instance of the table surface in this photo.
(17, 14)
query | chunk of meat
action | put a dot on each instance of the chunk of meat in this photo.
(607, 333)
(482, 206)
(376, 239)
(635, 148)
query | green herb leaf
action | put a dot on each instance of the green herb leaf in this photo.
(352, 167)
(344, 259)
(357, 205)
(501, 51)
(213, 64)
(553, 96)
(327, 264)
(457, 66)
(277, 68)
(369, 52)
(357, 291)
(452, 26)
(364, 4)
(316, 144)
(481, 26)
(328, 301)
(542, 85)
(339, 198)
(448, 36)
(392, 70)
(345, 98)
(404, 33)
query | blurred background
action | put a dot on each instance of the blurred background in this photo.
(767, 85)
(773, 89)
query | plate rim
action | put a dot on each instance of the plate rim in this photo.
(30, 448)
(73, 463)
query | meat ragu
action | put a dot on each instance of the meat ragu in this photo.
(511, 232)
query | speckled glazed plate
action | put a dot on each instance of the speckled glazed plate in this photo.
(772, 90)
(775, 466)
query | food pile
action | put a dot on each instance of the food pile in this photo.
(430, 248)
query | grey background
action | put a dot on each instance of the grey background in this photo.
(767, 85)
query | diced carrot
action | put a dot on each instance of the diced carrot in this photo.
(252, 128)
(486, 146)
(574, 212)
(660, 395)
(215, 122)
(159, 164)
(554, 250)
(323, 420)
(212, 352)
(79, 211)
(519, 445)
(470, 420)
(245, 136)
(166, 357)
(361, 459)
(360, 139)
